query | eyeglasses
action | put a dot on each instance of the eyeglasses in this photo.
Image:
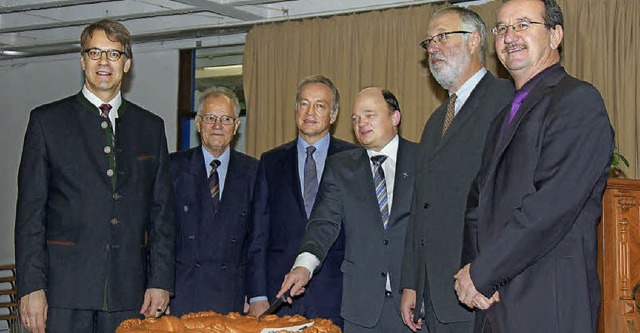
(96, 54)
(440, 39)
(502, 29)
(212, 118)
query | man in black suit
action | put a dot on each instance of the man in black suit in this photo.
(212, 185)
(530, 229)
(285, 190)
(448, 159)
(367, 193)
(95, 225)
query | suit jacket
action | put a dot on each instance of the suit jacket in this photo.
(277, 225)
(530, 229)
(347, 201)
(94, 223)
(211, 249)
(445, 169)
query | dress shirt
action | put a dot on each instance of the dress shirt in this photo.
(309, 260)
(222, 168)
(467, 87)
(320, 156)
(115, 105)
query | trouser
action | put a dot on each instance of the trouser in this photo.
(86, 321)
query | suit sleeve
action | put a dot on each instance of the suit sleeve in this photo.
(326, 217)
(407, 275)
(256, 279)
(30, 233)
(162, 232)
(576, 142)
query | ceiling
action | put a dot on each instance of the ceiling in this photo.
(46, 27)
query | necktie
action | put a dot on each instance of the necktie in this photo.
(310, 180)
(515, 105)
(214, 184)
(448, 117)
(381, 188)
(104, 112)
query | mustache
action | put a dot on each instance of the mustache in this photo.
(514, 45)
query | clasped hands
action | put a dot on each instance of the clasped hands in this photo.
(467, 293)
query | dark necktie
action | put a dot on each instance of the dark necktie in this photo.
(381, 188)
(451, 112)
(104, 112)
(515, 105)
(310, 180)
(214, 184)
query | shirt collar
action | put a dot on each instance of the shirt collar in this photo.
(467, 87)
(208, 158)
(93, 99)
(322, 145)
(390, 150)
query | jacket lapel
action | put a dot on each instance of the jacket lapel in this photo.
(402, 194)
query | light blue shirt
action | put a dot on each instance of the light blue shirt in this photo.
(115, 104)
(465, 90)
(320, 156)
(222, 168)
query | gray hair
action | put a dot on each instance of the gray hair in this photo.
(219, 91)
(335, 95)
(470, 21)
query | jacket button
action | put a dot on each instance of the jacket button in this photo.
(185, 208)
(422, 242)
(427, 205)
(110, 173)
(107, 149)
(191, 237)
(383, 274)
(197, 264)
(233, 240)
(104, 125)
(385, 242)
(117, 196)
(114, 221)
(223, 267)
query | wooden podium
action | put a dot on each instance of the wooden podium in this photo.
(619, 257)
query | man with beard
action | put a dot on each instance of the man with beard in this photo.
(450, 156)
(530, 227)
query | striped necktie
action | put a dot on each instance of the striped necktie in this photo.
(381, 188)
(214, 184)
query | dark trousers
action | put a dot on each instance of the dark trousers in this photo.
(86, 321)
(436, 326)
(390, 321)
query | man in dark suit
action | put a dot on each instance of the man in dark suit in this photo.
(212, 185)
(530, 229)
(367, 193)
(448, 159)
(94, 227)
(285, 190)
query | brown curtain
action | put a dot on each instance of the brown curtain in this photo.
(381, 48)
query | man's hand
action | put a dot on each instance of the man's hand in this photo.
(33, 311)
(156, 302)
(407, 304)
(258, 307)
(295, 281)
(468, 294)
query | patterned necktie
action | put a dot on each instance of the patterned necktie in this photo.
(310, 180)
(381, 188)
(448, 117)
(515, 105)
(104, 112)
(214, 184)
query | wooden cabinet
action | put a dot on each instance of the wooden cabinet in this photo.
(619, 257)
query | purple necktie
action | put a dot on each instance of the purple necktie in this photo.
(515, 105)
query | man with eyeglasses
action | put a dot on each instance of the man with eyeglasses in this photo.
(213, 186)
(94, 228)
(533, 209)
(449, 157)
(284, 194)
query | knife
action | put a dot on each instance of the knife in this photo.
(275, 305)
